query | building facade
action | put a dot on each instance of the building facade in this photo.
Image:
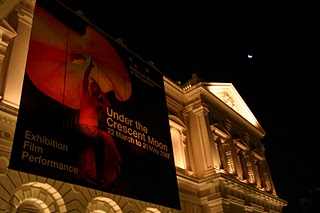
(219, 157)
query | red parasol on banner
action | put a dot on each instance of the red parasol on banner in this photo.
(52, 70)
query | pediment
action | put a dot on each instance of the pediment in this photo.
(227, 93)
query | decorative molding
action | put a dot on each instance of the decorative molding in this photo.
(236, 200)
(7, 128)
(25, 11)
(6, 34)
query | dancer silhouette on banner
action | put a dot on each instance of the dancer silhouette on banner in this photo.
(99, 163)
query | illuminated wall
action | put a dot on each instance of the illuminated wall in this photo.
(219, 159)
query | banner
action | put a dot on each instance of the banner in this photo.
(93, 113)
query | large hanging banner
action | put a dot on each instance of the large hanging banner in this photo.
(92, 113)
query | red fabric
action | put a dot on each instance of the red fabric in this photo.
(51, 70)
(100, 162)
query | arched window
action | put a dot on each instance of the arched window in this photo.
(32, 206)
(36, 197)
(177, 129)
(103, 205)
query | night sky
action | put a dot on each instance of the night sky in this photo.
(279, 83)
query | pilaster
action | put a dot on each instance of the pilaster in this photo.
(15, 68)
(201, 140)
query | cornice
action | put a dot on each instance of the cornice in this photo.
(173, 104)
(190, 185)
(4, 108)
(248, 189)
(173, 91)
(218, 132)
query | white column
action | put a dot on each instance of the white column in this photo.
(18, 55)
